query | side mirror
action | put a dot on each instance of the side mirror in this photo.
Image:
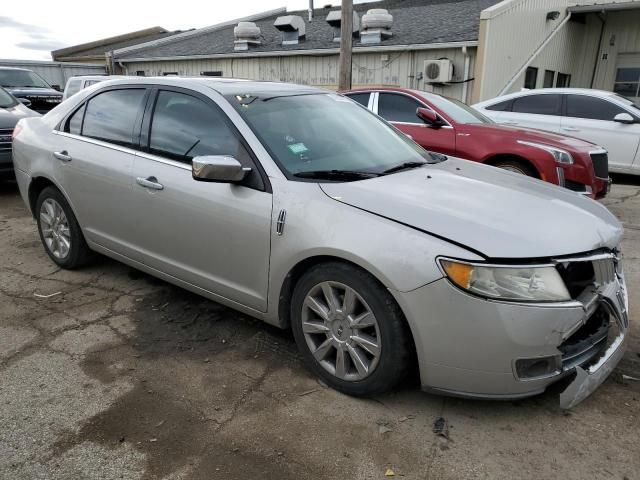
(25, 101)
(428, 116)
(56, 87)
(218, 168)
(624, 118)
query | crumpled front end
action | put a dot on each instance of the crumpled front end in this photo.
(476, 347)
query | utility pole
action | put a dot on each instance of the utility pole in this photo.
(346, 41)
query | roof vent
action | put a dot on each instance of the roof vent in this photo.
(292, 28)
(334, 18)
(245, 34)
(376, 26)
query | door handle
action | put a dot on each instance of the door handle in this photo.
(149, 182)
(571, 129)
(63, 156)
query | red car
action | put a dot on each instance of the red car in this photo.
(448, 126)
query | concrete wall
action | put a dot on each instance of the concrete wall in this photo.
(55, 73)
(388, 68)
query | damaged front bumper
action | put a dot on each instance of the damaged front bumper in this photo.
(470, 346)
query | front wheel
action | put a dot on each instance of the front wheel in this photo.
(516, 166)
(350, 330)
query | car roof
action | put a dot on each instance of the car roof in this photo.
(15, 68)
(580, 91)
(224, 86)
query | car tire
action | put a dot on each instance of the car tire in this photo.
(366, 324)
(517, 166)
(59, 231)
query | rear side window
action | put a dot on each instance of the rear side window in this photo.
(538, 104)
(74, 124)
(73, 87)
(398, 108)
(184, 127)
(111, 116)
(500, 107)
(361, 98)
(583, 106)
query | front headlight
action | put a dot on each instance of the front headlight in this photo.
(518, 283)
(559, 155)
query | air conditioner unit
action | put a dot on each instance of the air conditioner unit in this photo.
(438, 71)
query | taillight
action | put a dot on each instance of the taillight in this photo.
(16, 130)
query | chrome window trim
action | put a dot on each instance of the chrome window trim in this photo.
(94, 141)
(166, 161)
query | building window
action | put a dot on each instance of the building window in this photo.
(548, 79)
(531, 78)
(627, 82)
(139, 73)
(211, 73)
(563, 80)
(169, 74)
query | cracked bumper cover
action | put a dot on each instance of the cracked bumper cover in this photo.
(467, 346)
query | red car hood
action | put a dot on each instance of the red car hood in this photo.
(531, 135)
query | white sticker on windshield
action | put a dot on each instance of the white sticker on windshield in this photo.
(297, 148)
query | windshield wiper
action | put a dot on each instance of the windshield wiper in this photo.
(403, 166)
(337, 174)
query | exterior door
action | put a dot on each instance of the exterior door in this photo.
(96, 159)
(400, 110)
(542, 111)
(591, 118)
(213, 235)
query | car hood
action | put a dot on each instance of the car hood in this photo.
(493, 212)
(531, 135)
(33, 92)
(10, 116)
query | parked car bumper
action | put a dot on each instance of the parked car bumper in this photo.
(474, 347)
(6, 162)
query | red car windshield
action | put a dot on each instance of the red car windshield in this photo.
(455, 109)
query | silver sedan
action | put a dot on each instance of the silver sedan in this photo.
(301, 208)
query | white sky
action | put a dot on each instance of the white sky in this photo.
(30, 30)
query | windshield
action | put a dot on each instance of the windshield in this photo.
(21, 78)
(6, 100)
(324, 132)
(458, 111)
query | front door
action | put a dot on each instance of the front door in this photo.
(400, 110)
(591, 119)
(213, 235)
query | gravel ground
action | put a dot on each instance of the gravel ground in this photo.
(108, 373)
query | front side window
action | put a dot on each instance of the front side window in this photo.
(110, 116)
(184, 127)
(324, 132)
(395, 107)
(21, 78)
(583, 106)
(539, 104)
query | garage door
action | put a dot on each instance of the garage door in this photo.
(628, 76)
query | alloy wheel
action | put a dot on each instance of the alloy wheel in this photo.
(55, 228)
(341, 331)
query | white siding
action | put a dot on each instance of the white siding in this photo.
(390, 68)
(55, 73)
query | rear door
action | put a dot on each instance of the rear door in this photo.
(591, 118)
(213, 235)
(400, 110)
(95, 154)
(542, 111)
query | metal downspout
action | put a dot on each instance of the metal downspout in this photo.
(534, 55)
(467, 64)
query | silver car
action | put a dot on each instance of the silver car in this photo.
(301, 208)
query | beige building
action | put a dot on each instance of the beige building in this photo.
(467, 49)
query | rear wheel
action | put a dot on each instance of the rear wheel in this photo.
(59, 230)
(349, 329)
(517, 166)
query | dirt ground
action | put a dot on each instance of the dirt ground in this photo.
(107, 373)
